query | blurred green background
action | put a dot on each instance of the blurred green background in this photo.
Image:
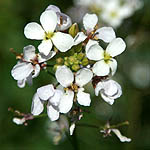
(133, 75)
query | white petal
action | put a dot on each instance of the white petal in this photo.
(80, 37)
(116, 47)
(113, 65)
(107, 99)
(21, 71)
(62, 41)
(66, 102)
(52, 112)
(95, 52)
(71, 129)
(100, 68)
(21, 83)
(89, 44)
(19, 121)
(45, 47)
(43, 58)
(36, 70)
(107, 34)
(64, 76)
(83, 76)
(37, 105)
(83, 98)
(55, 99)
(121, 137)
(90, 21)
(45, 92)
(53, 7)
(29, 80)
(29, 53)
(48, 20)
(34, 31)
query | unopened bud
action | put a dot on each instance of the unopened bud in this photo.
(75, 67)
(74, 29)
(80, 56)
(59, 61)
(85, 61)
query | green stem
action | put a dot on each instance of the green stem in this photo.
(119, 125)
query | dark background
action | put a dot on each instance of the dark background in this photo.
(133, 106)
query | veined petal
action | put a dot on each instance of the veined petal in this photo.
(90, 21)
(120, 136)
(43, 58)
(37, 105)
(45, 47)
(21, 70)
(90, 43)
(48, 20)
(36, 70)
(29, 53)
(83, 98)
(116, 47)
(101, 68)
(52, 112)
(113, 66)
(21, 83)
(54, 8)
(80, 37)
(62, 41)
(107, 34)
(55, 99)
(64, 76)
(34, 31)
(95, 52)
(45, 92)
(83, 76)
(66, 102)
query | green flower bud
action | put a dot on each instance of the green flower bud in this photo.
(80, 56)
(55, 67)
(71, 60)
(59, 61)
(74, 29)
(66, 63)
(85, 61)
(75, 67)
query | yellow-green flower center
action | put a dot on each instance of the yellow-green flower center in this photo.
(48, 35)
(113, 14)
(107, 57)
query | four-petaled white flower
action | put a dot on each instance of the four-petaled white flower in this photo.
(73, 87)
(47, 34)
(106, 63)
(51, 96)
(90, 21)
(29, 66)
(109, 90)
(64, 21)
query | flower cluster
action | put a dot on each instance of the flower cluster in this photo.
(79, 59)
(111, 12)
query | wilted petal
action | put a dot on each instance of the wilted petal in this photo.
(120, 136)
(71, 129)
(116, 47)
(113, 66)
(95, 52)
(45, 92)
(53, 7)
(19, 121)
(52, 112)
(83, 98)
(55, 99)
(37, 105)
(100, 68)
(29, 53)
(107, 34)
(62, 41)
(21, 70)
(90, 21)
(21, 83)
(45, 47)
(80, 37)
(66, 102)
(34, 31)
(64, 76)
(48, 20)
(83, 76)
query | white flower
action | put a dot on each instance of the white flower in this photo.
(73, 87)
(47, 34)
(19, 121)
(109, 90)
(105, 59)
(29, 66)
(90, 21)
(64, 21)
(51, 96)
